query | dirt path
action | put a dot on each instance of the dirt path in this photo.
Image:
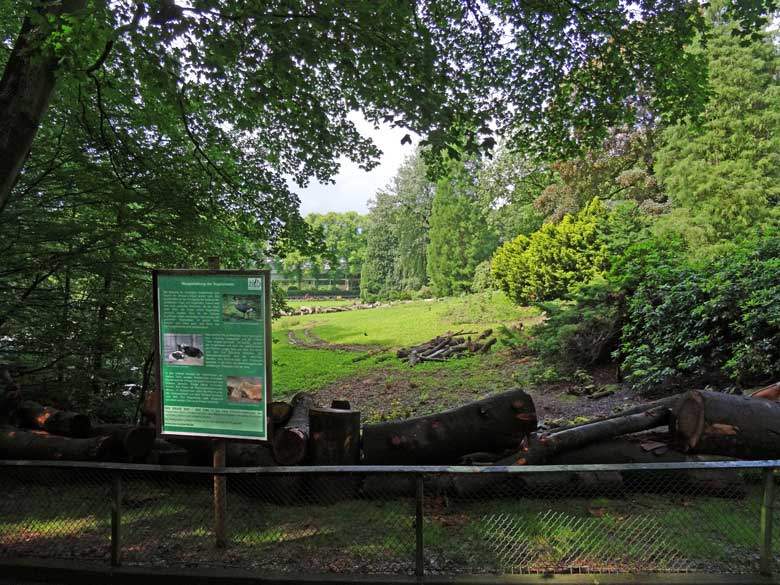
(312, 341)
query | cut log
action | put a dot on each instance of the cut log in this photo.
(771, 392)
(238, 454)
(130, 441)
(718, 482)
(542, 447)
(334, 439)
(668, 402)
(165, 453)
(249, 455)
(59, 422)
(493, 424)
(279, 412)
(20, 444)
(729, 425)
(291, 440)
(334, 436)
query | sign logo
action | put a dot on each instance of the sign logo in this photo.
(254, 283)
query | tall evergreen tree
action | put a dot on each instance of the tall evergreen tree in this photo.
(725, 175)
(459, 235)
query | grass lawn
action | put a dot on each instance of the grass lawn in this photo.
(399, 325)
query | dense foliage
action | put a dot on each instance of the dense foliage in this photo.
(547, 264)
(713, 322)
(459, 236)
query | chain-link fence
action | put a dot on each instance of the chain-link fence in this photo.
(708, 518)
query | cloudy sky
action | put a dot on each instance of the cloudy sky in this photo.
(354, 186)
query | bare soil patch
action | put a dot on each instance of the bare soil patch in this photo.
(388, 393)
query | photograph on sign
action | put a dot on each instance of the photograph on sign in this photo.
(213, 335)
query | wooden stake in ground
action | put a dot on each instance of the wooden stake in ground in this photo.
(220, 481)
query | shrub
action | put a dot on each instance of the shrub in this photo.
(583, 332)
(549, 263)
(483, 278)
(716, 322)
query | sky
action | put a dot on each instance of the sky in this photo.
(354, 186)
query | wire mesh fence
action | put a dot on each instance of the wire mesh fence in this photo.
(711, 518)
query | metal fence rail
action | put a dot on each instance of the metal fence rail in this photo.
(423, 522)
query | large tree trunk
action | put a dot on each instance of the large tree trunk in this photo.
(25, 90)
(290, 442)
(334, 439)
(544, 446)
(725, 424)
(638, 449)
(129, 441)
(334, 436)
(497, 423)
(60, 422)
(541, 448)
(18, 444)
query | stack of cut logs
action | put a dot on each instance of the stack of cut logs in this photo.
(498, 430)
(443, 347)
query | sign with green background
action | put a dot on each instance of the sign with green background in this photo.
(213, 330)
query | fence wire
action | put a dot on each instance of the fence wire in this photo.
(433, 521)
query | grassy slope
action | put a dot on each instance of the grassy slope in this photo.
(400, 325)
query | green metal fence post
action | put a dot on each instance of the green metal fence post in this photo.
(418, 525)
(116, 517)
(767, 505)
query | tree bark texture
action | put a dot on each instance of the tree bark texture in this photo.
(19, 444)
(334, 436)
(544, 446)
(128, 441)
(60, 422)
(726, 424)
(497, 423)
(280, 413)
(25, 90)
(291, 440)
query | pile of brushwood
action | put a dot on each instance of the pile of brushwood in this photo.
(443, 347)
(498, 430)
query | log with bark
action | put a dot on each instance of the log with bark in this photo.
(771, 392)
(16, 443)
(127, 441)
(497, 423)
(291, 440)
(442, 347)
(49, 419)
(280, 413)
(653, 449)
(334, 436)
(334, 439)
(543, 446)
(725, 424)
(167, 453)
(539, 448)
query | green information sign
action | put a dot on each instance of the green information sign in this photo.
(213, 331)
